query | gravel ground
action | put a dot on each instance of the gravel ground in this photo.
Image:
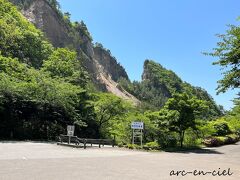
(46, 161)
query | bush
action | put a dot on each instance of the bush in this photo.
(234, 124)
(211, 142)
(120, 144)
(235, 137)
(228, 140)
(191, 138)
(166, 141)
(151, 146)
(221, 129)
(133, 146)
(221, 140)
(237, 132)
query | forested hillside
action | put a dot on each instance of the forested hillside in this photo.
(105, 72)
(102, 67)
(41, 88)
(159, 84)
(52, 75)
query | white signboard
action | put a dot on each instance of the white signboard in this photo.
(137, 125)
(70, 130)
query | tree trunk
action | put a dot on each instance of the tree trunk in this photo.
(181, 138)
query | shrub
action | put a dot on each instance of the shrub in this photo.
(151, 146)
(133, 146)
(238, 132)
(221, 140)
(166, 141)
(191, 138)
(234, 124)
(221, 129)
(120, 144)
(211, 142)
(235, 137)
(230, 139)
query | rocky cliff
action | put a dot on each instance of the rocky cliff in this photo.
(157, 85)
(168, 83)
(109, 63)
(44, 17)
(102, 67)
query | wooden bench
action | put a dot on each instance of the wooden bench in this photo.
(100, 142)
(69, 139)
(85, 141)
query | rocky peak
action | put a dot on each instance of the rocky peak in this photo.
(145, 74)
(109, 63)
(100, 64)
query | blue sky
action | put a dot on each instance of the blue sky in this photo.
(173, 33)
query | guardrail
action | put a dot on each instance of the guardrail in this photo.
(77, 141)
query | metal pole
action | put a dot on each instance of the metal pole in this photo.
(132, 136)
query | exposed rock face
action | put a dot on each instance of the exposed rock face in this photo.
(102, 67)
(45, 18)
(110, 64)
(146, 71)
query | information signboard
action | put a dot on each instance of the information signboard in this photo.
(137, 132)
(70, 130)
(137, 125)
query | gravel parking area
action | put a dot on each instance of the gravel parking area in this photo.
(47, 161)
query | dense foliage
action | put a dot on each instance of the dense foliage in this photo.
(30, 99)
(33, 101)
(20, 39)
(43, 89)
(160, 84)
(180, 113)
(228, 53)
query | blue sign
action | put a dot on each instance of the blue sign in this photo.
(137, 125)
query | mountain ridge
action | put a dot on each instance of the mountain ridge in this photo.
(158, 84)
(103, 68)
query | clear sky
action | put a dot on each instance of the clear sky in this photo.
(171, 32)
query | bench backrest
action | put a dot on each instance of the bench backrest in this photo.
(64, 138)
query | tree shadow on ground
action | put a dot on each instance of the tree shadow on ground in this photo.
(194, 150)
(25, 141)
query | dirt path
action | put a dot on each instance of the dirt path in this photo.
(43, 161)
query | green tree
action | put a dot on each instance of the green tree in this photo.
(159, 84)
(38, 102)
(55, 4)
(81, 28)
(30, 99)
(228, 52)
(65, 64)
(180, 113)
(20, 39)
(107, 107)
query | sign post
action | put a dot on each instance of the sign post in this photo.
(70, 132)
(137, 131)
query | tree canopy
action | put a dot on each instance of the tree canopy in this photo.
(180, 113)
(228, 53)
(43, 89)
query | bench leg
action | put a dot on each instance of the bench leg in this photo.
(84, 144)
